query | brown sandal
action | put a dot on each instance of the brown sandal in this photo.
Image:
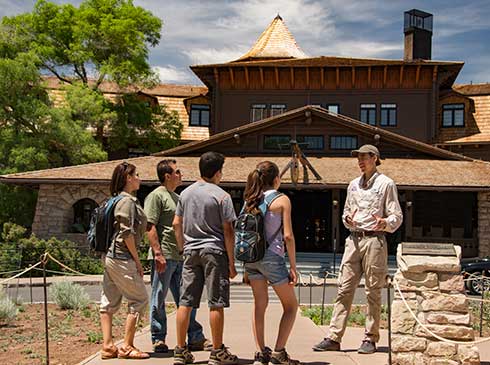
(109, 353)
(132, 353)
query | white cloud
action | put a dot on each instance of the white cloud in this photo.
(202, 56)
(171, 74)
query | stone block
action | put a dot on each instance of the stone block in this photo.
(406, 295)
(401, 319)
(442, 349)
(418, 263)
(408, 343)
(447, 318)
(410, 281)
(450, 332)
(451, 283)
(409, 358)
(437, 302)
(468, 354)
(443, 362)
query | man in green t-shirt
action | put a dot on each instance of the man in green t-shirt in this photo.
(166, 268)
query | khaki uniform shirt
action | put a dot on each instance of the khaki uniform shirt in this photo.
(377, 197)
(160, 207)
(129, 219)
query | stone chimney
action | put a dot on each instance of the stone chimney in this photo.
(418, 35)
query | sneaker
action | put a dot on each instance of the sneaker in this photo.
(327, 345)
(203, 345)
(263, 357)
(282, 357)
(160, 347)
(182, 356)
(222, 356)
(367, 347)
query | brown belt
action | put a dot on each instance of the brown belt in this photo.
(362, 234)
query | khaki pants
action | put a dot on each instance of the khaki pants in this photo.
(366, 255)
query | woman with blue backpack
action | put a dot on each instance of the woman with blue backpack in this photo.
(123, 273)
(273, 209)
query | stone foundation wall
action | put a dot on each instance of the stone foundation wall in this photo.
(425, 282)
(484, 224)
(54, 209)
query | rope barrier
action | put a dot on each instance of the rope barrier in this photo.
(424, 327)
(63, 265)
(21, 273)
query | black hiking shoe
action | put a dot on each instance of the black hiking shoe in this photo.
(327, 345)
(367, 347)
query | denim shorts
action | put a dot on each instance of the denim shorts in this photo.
(272, 268)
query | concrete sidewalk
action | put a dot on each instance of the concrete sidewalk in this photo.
(238, 335)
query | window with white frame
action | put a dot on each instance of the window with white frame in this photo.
(368, 114)
(277, 109)
(388, 115)
(258, 112)
(453, 115)
(333, 108)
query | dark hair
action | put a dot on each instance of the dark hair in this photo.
(210, 163)
(164, 167)
(260, 178)
(120, 176)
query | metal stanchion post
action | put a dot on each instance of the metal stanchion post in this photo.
(44, 260)
(311, 287)
(323, 297)
(481, 305)
(30, 285)
(388, 303)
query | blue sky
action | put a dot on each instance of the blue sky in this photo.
(199, 32)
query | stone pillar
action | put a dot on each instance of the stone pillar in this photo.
(483, 224)
(424, 281)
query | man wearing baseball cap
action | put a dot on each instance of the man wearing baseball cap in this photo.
(371, 209)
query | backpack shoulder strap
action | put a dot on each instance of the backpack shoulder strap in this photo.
(268, 200)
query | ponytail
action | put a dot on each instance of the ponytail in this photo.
(258, 180)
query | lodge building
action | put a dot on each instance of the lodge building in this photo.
(276, 97)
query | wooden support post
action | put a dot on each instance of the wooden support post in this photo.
(291, 70)
(401, 75)
(232, 78)
(276, 72)
(307, 77)
(385, 75)
(337, 77)
(261, 70)
(247, 79)
(353, 78)
(322, 77)
(417, 76)
(434, 74)
(369, 77)
(216, 76)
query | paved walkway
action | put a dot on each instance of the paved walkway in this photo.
(238, 335)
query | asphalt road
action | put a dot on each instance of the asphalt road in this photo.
(239, 294)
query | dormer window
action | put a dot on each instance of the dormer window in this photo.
(200, 115)
(453, 115)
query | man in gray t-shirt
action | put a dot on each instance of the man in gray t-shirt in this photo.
(204, 208)
(203, 226)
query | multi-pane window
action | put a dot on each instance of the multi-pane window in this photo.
(200, 115)
(311, 142)
(343, 142)
(368, 114)
(453, 115)
(333, 108)
(258, 112)
(277, 109)
(388, 115)
(276, 142)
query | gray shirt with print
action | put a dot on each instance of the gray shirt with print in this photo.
(204, 208)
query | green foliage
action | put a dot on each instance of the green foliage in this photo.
(8, 310)
(110, 38)
(68, 295)
(357, 317)
(94, 337)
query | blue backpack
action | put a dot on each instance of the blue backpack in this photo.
(250, 238)
(101, 229)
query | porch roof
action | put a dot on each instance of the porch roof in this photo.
(410, 174)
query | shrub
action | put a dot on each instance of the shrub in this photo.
(68, 295)
(8, 310)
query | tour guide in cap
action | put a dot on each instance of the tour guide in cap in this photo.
(371, 209)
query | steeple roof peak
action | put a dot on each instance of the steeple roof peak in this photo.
(276, 42)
